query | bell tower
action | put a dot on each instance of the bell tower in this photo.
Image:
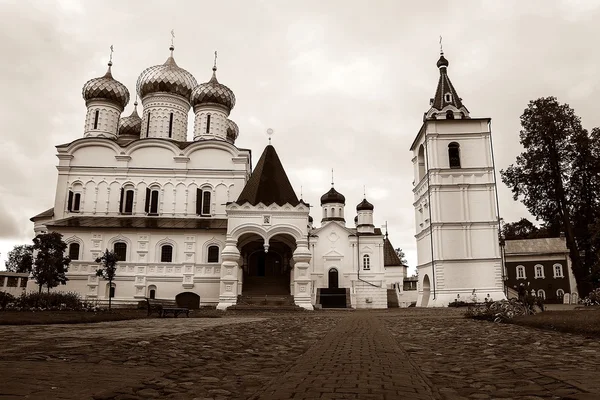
(455, 202)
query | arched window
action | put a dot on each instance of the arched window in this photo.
(325, 213)
(541, 294)
(449, 114)
(74, 199)
(127, 194)
(421, 162)
(521, 272)
(120, 249)
(152, 291)
(151, 206)
(213, 254)
(171, 125)
(558, 271)
(560, 294)
(454, 155)
(203, 201)
(208, 123)
(96, 116)
(539, 271)
(340, 211)
(448, 97)
(366, 262)
(74, 251)
(332, 212)
(166, 253)
(111, 290)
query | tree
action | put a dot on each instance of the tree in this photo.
(108, 270)
(50, 264)
(525, 229)
(401, 255)
(542, 174)
(20, 259)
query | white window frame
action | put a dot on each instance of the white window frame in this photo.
(535, 271)
(366, 262)
(521, 268)
(561, 272)
(560, 295)
(541, 294)
(448, 97)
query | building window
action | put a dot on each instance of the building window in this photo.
(332, 212)
(208, 123)
(521, 272)
(449, 114)
(24, 282)
(366, 262)
(148, 125)
(120, 249)
(74, 201)
(151, 206)
(171, 125)
(96, 116)
(560, 294)
(558, 271)
(421, 162)
(448, 98)
(213, 254)
(539, 272)
(12, 281)
(166, 253)
(541, 294)
(454, 155)
(126, 206)
(325, 213)
(202, 202)
(74, 251)
(152, 291)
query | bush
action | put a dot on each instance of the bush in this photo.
(457, 303)
(50, 301)
(5, 299)
(593, 298)
(497, 311)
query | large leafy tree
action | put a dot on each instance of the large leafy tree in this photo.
(108, 269)
(20, 259)
(525, 229)
(552, 137)
(50, 264)
(401, 255)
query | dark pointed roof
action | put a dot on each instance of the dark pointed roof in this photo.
(390, 258)
(269, 183)
(333, 196)
(445, 86)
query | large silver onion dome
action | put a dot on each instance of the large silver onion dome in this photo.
(232, 131)
(132, 125)
(168, 78)
(106, 88)
(213, 92)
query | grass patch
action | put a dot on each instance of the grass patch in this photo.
(582, 322)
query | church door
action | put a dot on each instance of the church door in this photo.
(333, 278)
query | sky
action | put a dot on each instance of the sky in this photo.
(343, 84)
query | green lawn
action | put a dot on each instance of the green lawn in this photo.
(583, 322)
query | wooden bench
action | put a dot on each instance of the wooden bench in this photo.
(165, 307)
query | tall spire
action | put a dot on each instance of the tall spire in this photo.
(446, 104)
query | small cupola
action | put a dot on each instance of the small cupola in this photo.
(364, 224)
(105, 99)
(333, 203)
(130, 127)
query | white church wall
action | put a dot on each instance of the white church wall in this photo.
(368, 296)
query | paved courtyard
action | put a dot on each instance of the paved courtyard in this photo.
(392, 354)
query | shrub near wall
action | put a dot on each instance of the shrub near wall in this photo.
(592, 299)
(50, 301)
(6, 299)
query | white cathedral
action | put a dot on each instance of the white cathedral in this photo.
(193, 221)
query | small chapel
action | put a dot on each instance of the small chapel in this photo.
(194, 220)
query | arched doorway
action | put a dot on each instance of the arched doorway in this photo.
(266, 271)
(426, 291)
(333, 278)
(188, 300)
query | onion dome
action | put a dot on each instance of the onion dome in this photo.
(167, 78)
(364, 206)
(106, 88)
(213, 92)
(333, 196)
(131, 125)
(232, 130)
(442, 62)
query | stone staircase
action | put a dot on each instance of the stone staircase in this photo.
(265, 293)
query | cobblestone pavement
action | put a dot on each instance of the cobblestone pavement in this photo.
(357, 360)
(468, 359)
(392, 354)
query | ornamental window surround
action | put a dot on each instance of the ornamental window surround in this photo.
(521, 272)
(541, 294)
(558, 271)
(74, 251)
(213, 254)
(448, 97)
(166, 253)
(539, 271)
(560, 293)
